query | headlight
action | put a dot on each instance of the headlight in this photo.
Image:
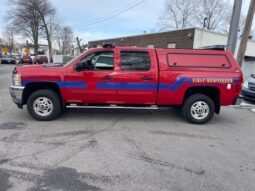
(246, 85)
(16, 79)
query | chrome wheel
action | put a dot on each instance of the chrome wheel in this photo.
(43, 106)
(200, 110)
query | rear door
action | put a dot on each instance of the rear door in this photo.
(137, 77)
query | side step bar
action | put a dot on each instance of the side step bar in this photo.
(74, 106)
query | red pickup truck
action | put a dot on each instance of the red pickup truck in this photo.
(198, 81)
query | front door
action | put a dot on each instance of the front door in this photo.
(98, 70)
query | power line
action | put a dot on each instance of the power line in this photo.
(110, 16)
(102, 19)
(117, 22)
(69, 8)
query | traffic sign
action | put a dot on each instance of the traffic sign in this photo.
(5, 50)
(27, 51)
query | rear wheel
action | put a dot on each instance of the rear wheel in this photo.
(198, 109)
(44, 105)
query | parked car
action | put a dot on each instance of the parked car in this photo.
(32, 57)
(8, 59)
(41, 60)
(26, 60)
(17, 59)
(198, 81)
(248, 89)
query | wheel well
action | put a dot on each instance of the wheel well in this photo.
(212, 92)
(34, 86)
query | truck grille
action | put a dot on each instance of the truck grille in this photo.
(251, 86)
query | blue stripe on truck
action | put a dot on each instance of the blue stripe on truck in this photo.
(172, 87)
(131, 86)
(61, 84)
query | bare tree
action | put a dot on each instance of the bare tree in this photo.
(47, 14)
(242, 25)
(185, 13)
(217, 14)
(67, 39)
(81, 46)
(64, 38)
(57, 36)
(10, 38)
(177, 14)
(26, 20)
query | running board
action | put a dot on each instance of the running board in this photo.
(73, 106)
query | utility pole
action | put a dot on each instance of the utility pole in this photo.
(233, 31)
(246, 33)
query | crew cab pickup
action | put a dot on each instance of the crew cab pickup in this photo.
(198, 81)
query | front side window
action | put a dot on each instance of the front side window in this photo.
(99, 61)
(135, 61)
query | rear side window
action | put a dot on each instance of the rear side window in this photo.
(198, 60)
(135, 61)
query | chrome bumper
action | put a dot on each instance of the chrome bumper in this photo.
(16, 93)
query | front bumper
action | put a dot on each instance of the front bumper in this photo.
(248, 94)
(8, 61)
(16, 93)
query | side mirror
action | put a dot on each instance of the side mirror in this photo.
(79, 66)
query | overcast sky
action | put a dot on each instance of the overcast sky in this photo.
(79, 14)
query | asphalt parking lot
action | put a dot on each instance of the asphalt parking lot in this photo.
(124, 149)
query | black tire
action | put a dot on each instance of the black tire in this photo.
(53, 97)
(186, 109)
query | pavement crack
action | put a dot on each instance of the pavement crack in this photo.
(143, 156)
(3, 161)
(12, 125)
(186, 135)
(167, 164)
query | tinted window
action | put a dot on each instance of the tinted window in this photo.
(133, 61)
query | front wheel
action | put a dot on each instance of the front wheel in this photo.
(198, 109)
(44, 105)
